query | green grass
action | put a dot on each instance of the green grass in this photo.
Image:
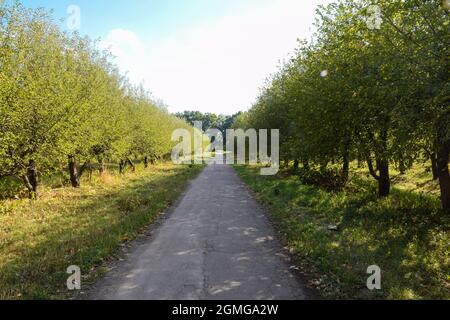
(406, 235)
(40, 240)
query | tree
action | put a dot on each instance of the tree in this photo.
(377, 94)
(62, 102)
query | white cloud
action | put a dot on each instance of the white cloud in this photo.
(127, 48)
(216, 66)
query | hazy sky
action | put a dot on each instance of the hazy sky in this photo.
(206, 55)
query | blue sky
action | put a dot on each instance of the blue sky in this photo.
(143, 16)
(206, 55)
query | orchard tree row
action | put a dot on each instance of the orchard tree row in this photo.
(372, 85)
(64, 105)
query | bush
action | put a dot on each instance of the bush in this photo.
(330, 179)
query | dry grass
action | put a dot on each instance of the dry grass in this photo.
(39, 240)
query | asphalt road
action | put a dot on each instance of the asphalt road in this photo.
(216, 244)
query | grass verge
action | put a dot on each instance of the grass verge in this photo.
(84, 227)
(406, 235)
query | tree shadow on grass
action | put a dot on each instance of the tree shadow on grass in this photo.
(405, 234)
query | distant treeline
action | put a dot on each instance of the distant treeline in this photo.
(209, 120)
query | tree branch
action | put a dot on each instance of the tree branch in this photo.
(372, 170)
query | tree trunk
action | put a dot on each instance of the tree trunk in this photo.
(133, 167)
(443, 158)
(31, 180)
(384, 183)
(360, 163)
(346, 159)
(121, 166)
(434, 166)
(402, 167)
(346, 165)
(73, 170)
(305, 163)
(296, 164)
(372, 171)
(346, 169)
(102, 166)
(86, 165)
(285, 162)
(146, 162)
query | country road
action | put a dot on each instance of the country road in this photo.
(216, 244)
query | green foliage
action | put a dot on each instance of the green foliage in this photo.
(60, 96)
(354, 92)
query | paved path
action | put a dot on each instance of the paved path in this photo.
(216, 243)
